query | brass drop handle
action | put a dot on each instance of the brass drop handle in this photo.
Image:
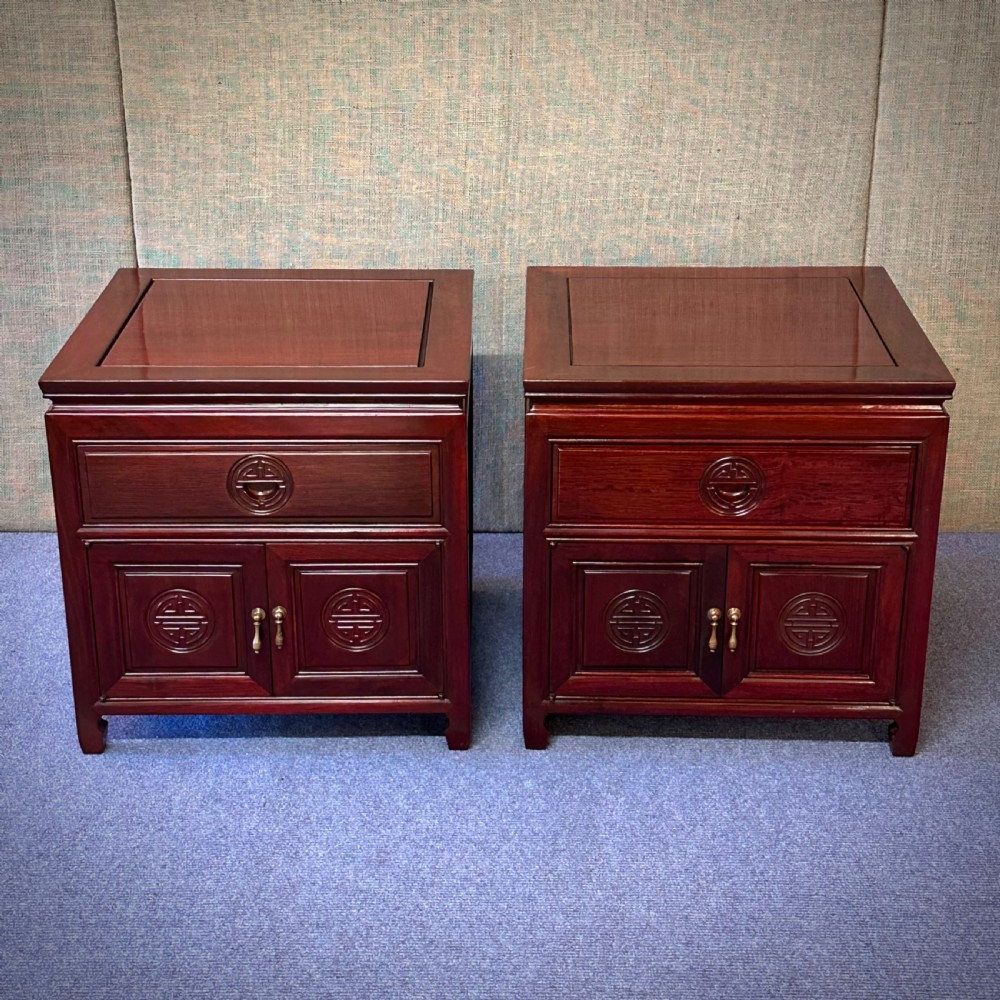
(257, 616)
(714, 617)
(733, 614)
(278, 614)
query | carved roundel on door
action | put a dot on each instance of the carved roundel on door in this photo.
(732, 486)
(180, 620)
(636, 621)
(260, 484)
(355, 619)
(812, 624)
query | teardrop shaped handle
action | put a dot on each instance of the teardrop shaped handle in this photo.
(257, 616)
(714, 617)
(278, 614)
(733, 614)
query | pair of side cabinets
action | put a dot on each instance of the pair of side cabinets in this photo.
(732, 487)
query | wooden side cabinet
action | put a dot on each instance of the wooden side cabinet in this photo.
(732, 486)
(261, 488)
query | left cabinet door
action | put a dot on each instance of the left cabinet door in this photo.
(176, 620)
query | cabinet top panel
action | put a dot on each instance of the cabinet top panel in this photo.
(780, 322)
(725, 330)
(156, 332)
(223, 322)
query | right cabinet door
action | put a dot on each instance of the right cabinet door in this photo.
(358, 618)
(814, 622)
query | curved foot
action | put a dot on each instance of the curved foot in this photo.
(903, 737)
(536, 735)
(91, 733)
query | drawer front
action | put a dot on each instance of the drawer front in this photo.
(348, 482)
(718, 484)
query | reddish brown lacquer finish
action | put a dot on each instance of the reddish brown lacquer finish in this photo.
(732, 486)
(261, 489)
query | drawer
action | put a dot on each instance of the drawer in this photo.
(349, 482)
(643, 482)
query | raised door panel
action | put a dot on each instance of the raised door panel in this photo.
(359, 618)
(816, 622)
(631, 619)
(176, 620)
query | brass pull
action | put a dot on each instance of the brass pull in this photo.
(257, 616)
(733, 614)
(278, 614)
(714, 616)
(261, 493)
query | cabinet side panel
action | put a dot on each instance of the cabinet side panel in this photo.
(76, 584)
(920, 586)
(536, 583)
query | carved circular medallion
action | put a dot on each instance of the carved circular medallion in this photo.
(260, 484)
(812, 624)
(180, 620)
(636, 621)
(732, 486)
(355, 619)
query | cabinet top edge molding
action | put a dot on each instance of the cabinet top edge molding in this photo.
(728, 331)
(156, 332)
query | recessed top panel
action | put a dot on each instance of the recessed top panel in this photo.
(720, 322)
(242, 322)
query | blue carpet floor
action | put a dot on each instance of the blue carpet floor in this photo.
(359, 858)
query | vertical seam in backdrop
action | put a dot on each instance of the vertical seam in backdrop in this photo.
(124, 121)
(878, 108)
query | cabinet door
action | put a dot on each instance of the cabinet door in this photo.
(360, 618)
(630, 619)
(817, 622)
(174, 620)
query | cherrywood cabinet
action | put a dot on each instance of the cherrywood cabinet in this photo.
(732, 484)
(261, 487)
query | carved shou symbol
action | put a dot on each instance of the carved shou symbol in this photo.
(636, 621)
(179, 620)
(732, 486)
(260, 484)
(812, 624)
(355, 619)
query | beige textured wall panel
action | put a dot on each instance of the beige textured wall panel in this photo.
(935, 220)
(65, 221)
(495, 135)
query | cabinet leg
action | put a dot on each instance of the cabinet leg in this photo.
(536, 735)
(91, 729)
(459, 732)
(903, 736)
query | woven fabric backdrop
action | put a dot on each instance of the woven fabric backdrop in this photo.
(497, 135)
(65, 216)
